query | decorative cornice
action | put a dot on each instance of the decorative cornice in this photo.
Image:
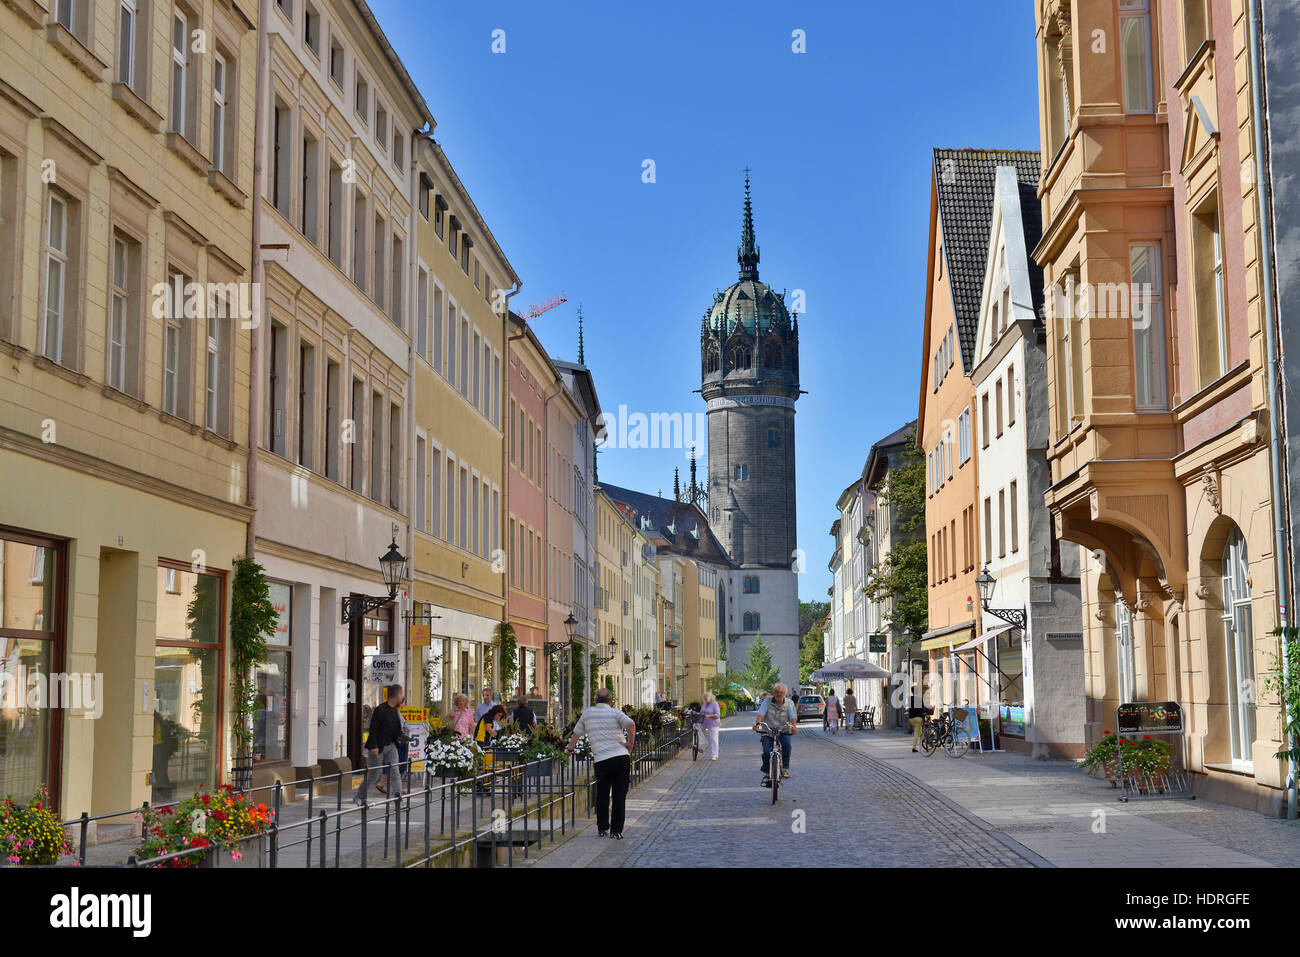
(60, 132)
(61, 455)
(173, 218)
(11, 94)
(117, 177)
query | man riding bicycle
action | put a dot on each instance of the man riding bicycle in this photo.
(778, 711)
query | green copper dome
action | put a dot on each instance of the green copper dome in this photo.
(747, 303)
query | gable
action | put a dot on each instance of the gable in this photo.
(1199, 131)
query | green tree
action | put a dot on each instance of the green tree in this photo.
(901, 579)
(508, 647)
(759, 673)
(812, 651)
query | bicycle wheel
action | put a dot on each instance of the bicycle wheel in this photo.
(775, 768)
(957, 743)
(695, 745)
(929, 741)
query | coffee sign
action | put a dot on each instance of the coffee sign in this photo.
(1149, 717)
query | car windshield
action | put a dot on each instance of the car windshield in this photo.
(810, 700)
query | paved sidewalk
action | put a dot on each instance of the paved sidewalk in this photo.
(1058, 812)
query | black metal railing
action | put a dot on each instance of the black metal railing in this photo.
(508, 806)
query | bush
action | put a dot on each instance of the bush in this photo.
(30, 834)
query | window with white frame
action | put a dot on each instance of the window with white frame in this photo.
(1135, 55)
(132, 45)
(176, 348)
(1148, 326)
(217, 367)
(183, 120)
(963, 436)
(220, 158)
(59, 288)
(123, 315)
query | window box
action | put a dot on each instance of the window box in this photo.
(130, 101)
(71, 46)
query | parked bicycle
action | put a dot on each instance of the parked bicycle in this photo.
(694, 717)
(947, 731)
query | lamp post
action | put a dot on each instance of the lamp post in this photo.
(985, 583)
(645, 667)
(613, 653)
(679, 676)
(393, 566)
(551, 647)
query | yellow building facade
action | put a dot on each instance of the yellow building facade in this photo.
(126, 167)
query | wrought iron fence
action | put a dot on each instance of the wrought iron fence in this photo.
(508, 808)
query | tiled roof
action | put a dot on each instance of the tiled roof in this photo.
(965, 181)
(664, 513)
(878, 455)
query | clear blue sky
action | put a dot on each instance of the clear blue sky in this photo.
(550, 136)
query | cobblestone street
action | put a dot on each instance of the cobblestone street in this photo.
(864, 800)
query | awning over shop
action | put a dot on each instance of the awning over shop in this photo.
(976, 642)
(943, 637)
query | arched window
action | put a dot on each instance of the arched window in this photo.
(1126, 663)
(740, 357)
(1239, 642)
(713, 362)
(771, 355)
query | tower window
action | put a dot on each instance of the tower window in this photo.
(772, 355)
(740, 357)
(741, 473)
(774, 438)
(713, 362)
(751, 585)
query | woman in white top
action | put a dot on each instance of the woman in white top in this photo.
(832, 712)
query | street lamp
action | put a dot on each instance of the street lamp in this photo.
(613, 653)
(985, 584)
(393, 566)
(645, 667)
(551, 647)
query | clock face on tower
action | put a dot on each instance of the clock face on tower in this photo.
(749, 361)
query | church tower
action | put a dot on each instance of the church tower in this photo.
(749, 355)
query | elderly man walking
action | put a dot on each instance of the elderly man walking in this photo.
(604, 728)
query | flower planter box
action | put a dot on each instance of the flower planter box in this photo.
(253, 851)
(542, 769)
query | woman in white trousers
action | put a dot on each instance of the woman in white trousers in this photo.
(710, 718)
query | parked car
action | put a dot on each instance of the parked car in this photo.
(811, 706)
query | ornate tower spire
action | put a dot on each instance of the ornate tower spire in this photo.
(580, 352)
(677, 486)
(747, 255)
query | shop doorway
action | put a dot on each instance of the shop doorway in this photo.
(368, 637)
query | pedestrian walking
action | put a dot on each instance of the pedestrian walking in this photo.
(850, 709)
(916, 716)
(461, 717)
(524, 717)
(485, 705)
(710, 719)
(381, 743)
(403, 764)
(832, 712)
(604, 729)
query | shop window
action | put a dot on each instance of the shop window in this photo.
(31, 595)
(272, 682)
(190, 624)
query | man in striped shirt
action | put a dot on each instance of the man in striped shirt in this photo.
(604, 728)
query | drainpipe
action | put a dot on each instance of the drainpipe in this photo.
(1264, 205)
(504, 399)
(257, 275)
(412, 280)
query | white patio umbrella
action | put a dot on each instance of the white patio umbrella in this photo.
(849, 669)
